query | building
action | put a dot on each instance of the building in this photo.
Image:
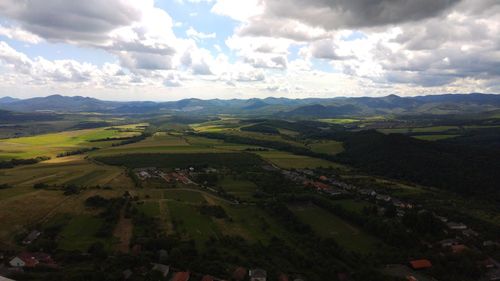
(239, 274)
(32, 236)
(5, 279)
(207, 278)
(181, 276)
(163, 269)
(420, 264)
(258, 275)
(456, 226)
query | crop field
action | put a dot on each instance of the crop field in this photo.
(149, 208)
(80, 233)
(339, 120)
(243, 189)
(329, 225)
(52, 144)
(230, 160)
(432, 129)
(67, 170)
(353, 205)
(327, 147)
(188, 196)
(434, 137)
(287, 160)
(188, 222)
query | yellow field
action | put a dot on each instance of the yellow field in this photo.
(68, 170)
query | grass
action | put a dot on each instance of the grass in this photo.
(339, 120)
(189, 223)
(67, 170)
(328, 147)
(287, 160)
(185, 196)
(149, 208)
(353, 205)
(434, 137)
(52, 144)
(328, 225)
(81, 232)
(243, 189)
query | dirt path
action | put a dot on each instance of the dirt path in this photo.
(123, 231)
(165, 216)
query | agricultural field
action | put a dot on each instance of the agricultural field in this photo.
(329, 225)
(75, 170)
(81, 232)
(52, 144)
(327, 147)
(240, 188)
(287, 160)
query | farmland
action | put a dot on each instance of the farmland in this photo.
(329, 225)
(52, 144)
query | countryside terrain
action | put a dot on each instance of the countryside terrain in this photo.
(334, 189)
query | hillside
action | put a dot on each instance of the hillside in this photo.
(310, 108)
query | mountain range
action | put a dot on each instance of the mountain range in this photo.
(279, 107)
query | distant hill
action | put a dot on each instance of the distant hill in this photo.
(309, 108)
(6, 100)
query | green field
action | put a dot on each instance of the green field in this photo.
(234, 161)
(66, 170)
(327, 147)
(434, 137)
(243, 189)
(188, 196)
(81, 232)
(52, 144)
(149, 208)
(287, 160)
(329, 225)
(189, 223)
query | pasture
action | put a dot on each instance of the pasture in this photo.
(327, 147)
(327, 224)
(52, 144)
(64, 171)
(287, 160)
(243, 189)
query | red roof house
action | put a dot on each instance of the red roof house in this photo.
(420, 264)
(207, 278)
(240, 273)
(181, 276)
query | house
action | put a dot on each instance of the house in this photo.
(239, 274)
(343, 276)
(487, 263)
(181, 276)
(24, 260)
(381, 197)
(420, 264)
(258, 275)
(5, 279)
(32, 236)
(411, 278)
(448, 242)
(207, 278)
(493, 275)
(456, 226)
(127, 274)
(283, 277)
(470, 233)
(163, 269)
(457, 249)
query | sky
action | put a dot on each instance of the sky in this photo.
(169, 50)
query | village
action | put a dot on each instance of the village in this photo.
(461, 238)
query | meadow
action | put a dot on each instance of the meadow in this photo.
(288, 160)
(52, 144)
(327, 224)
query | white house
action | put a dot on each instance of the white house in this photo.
(17, 262)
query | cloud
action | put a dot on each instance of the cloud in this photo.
(193, 33)
(77, 21)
